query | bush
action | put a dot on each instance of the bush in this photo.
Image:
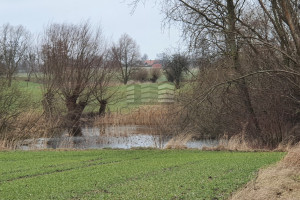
(214, 109)
(155, 73)
(174, 67)
(141, 75)
(12, 103)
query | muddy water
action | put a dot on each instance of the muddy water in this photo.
(115, 137)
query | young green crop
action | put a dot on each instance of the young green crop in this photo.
(127, 174)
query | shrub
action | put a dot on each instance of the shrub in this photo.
(155, 73)
(174, 67)
(12, 103)
(141, 75)
(215, 105)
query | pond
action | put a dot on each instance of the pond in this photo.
(115, 137)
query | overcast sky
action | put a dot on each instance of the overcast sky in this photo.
(144, 25)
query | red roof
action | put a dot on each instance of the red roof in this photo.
(153, 63)
(157, 65)
(150, 62)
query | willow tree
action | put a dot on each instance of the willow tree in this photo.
(104, 93)
(71, 56)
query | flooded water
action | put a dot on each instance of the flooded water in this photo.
(115, 137)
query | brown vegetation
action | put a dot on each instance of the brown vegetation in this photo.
(29, 125)
(140, 74)
(247, 88)
(143, 115)
(159, 119)
(72, 56)
(179, 141)
(155, 73)
(248, 55)
(281, 181)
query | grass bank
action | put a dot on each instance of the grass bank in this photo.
(130, 174)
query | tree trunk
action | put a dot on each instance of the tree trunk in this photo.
(234, 54)
(73, 116)
(102, 108)
(248, 104)
(177, 84)
(291, 20)
(125, 80)
(9, 78)
(47, 103)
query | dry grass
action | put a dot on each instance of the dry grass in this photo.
(276, 182)
(237, 142)
(159, 118)
(179, 141)
(29, 125)
(293, 158)
(144, 115)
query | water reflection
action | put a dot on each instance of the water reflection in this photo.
(116, 137)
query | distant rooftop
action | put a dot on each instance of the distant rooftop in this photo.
(153, 63)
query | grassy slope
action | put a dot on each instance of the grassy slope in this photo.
(34, 90)
(131, 174)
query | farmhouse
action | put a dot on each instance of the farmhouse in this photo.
(153, 63)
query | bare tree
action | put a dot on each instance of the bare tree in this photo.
(13, 102)
(284, 17)
(255, 51)
(174, 66)
(127, 56)
(71, 57)
(104, 91)
(218, 20)
(14, 43)
(32, 62)
(144, 57)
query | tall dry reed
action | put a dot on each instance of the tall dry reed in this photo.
(28, 125)
(159, 118)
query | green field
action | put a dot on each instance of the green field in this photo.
(117, 103)
(127, 174)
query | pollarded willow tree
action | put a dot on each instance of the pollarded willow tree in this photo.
(71, 56)
(104, 93)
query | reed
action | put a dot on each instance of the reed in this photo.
(179, 141)
(143, 115)
(159, 118)
(28, 125)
